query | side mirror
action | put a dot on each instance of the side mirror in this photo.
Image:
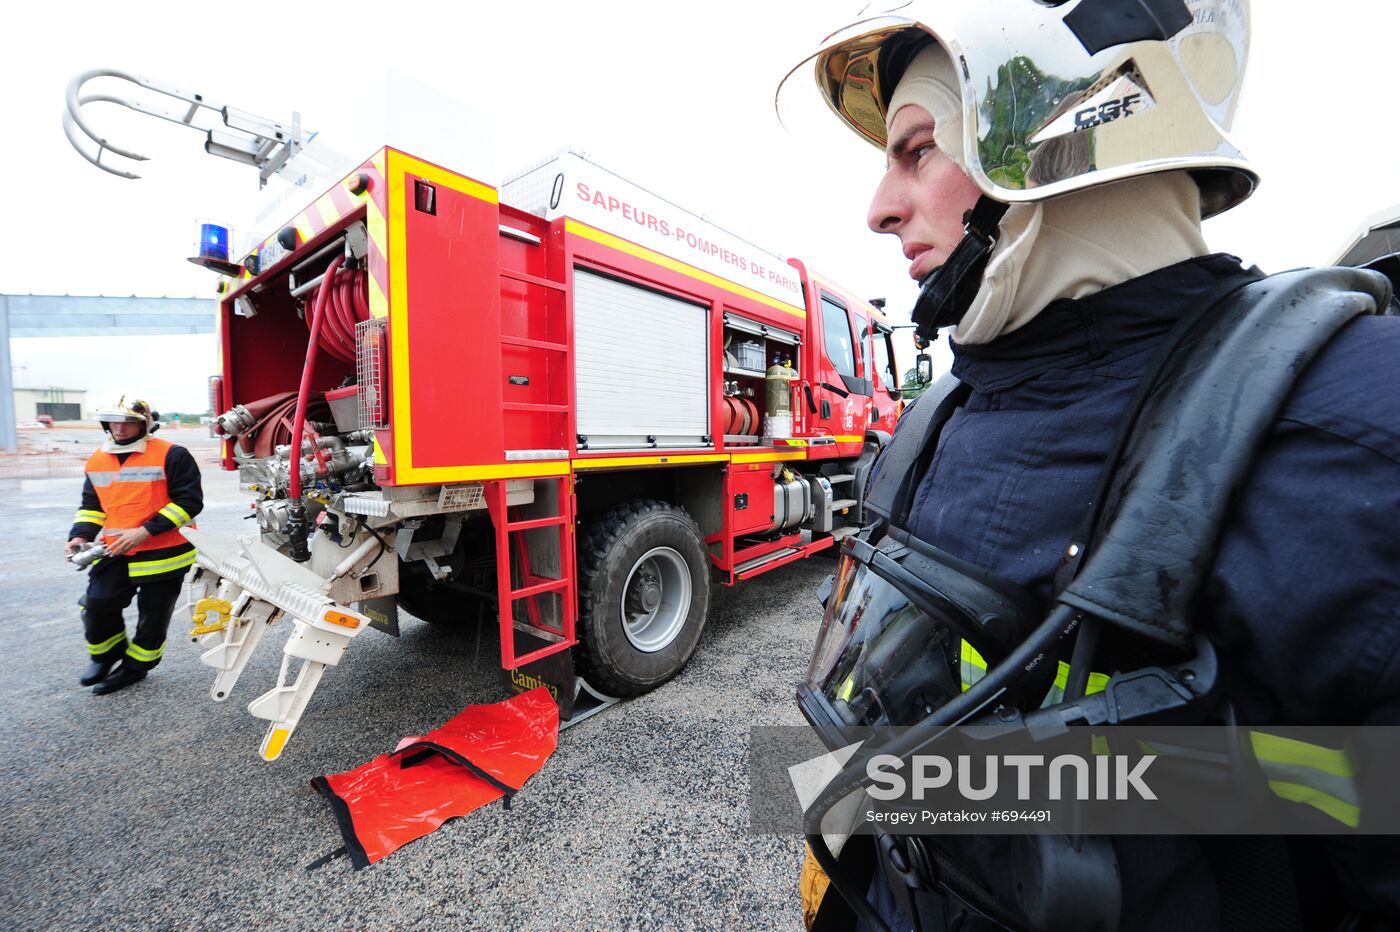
(924, 364)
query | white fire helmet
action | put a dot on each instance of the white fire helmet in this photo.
(1063, 95)
(135, 412)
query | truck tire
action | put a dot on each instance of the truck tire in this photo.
(644, 594)
(864, 466)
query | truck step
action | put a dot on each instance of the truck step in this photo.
(543, 633)
(767, 558)
(840, 477)
(843, 503)
(841, 533)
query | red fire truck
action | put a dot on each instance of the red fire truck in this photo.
(565, 406)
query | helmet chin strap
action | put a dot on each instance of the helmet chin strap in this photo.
(946, 293)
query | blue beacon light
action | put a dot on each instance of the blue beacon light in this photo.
(213, 241)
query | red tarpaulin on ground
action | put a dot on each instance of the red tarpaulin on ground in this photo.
(484, 753)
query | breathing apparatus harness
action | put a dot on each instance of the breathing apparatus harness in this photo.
(1241, 352)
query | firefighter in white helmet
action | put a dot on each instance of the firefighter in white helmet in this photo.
(1047, 167)
(140, 490)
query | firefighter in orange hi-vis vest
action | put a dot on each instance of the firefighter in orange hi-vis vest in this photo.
(139, 492)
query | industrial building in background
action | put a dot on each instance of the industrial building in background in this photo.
(42, 315)
(51, 402)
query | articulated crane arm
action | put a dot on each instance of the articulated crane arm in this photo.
(250, 139)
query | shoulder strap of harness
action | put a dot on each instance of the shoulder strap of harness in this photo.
(907, 455)
(1193, 437)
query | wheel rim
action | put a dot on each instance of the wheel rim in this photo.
(656, 599)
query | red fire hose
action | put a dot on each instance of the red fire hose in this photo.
(318, 315)
(347, 305)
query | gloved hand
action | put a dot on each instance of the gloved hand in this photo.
(125, 540)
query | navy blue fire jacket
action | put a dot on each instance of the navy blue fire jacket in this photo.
(1303, 603)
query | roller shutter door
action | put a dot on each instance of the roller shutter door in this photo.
(641, 366)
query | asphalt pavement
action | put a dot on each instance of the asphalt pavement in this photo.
(150, 809)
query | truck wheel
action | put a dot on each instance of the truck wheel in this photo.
(644, 593)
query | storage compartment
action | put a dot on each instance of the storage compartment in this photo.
(751, 498)
(749, 354)
(750, 348)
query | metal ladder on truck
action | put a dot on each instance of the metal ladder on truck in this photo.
(245, 137)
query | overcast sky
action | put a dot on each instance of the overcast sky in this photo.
(677, 97)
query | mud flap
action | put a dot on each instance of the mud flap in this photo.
(554, 673)
(484, 753)
(575, 696)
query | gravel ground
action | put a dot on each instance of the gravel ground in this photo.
(150, 808)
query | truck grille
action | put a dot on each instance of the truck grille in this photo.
(461, 497)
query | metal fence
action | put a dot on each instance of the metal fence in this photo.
(41, 458)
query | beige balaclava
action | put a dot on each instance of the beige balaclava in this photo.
(1065, 247)
(110, 445)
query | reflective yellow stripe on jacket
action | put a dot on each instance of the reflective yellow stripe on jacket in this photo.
(152, 567)
(1056, 695)
(175, 514)
(972, 667)
(1310, 774)
(88, 516)
(1321, 777)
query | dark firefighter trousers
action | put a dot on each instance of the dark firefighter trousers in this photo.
(110, 590)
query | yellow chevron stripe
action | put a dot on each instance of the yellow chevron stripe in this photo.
(329, 208)
(317, 212)
(378, 303)
(377, 230)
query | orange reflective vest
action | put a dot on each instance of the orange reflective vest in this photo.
(134, 492)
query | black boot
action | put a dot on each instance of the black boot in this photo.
(98, 670)
(120, 678)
